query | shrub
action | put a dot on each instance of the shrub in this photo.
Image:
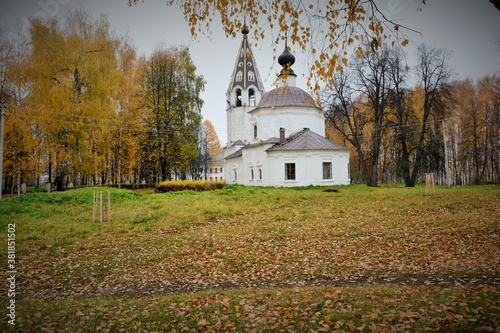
(193, 185)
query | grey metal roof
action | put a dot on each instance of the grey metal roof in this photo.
(307, 140)
(288, 96)
(239, 143)
(237, 153)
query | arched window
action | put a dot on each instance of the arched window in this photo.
(251, 75)
(255, 132)
(260, 174)
(239, 76)
(251, 97)
(238, 97)
(235, 175)
(251, 172)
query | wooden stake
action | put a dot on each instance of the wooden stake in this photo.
(94, 207)
(98, 206)
(109, 206)
(100, 203)
(429, 183)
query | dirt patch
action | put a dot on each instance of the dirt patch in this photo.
(179, 287)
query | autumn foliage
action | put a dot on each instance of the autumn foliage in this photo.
(83, 108)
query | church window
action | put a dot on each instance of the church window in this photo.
(238, 97)
(239, 76)
(289, 171)
(251, 97)
(260, 174)
(251, 173)
(251, 76)
(327, 170)
(255, 132)
(249, 64)
(235, 175)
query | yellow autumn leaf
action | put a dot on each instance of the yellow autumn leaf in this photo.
(202, 322)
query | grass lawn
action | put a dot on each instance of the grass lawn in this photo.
(245, 259)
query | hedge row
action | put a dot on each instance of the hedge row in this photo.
(193, 185)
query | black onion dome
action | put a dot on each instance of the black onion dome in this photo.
(244, 30)
(286, 59)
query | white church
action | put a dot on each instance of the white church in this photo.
(277, 138)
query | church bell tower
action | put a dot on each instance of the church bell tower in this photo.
(243, 95)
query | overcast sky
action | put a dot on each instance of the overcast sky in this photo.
(470, 29)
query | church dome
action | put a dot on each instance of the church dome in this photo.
(244, 30)
(286, 60)
(289, 96)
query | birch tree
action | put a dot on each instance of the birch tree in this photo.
(172, 111)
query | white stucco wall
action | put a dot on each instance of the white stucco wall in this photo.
(238, 117)
(237, 120)
(252, 158)
(308, 165)
(293, 119)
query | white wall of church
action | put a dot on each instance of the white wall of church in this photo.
(238, 119)
(269, 168)
(309, 167)
(253, 158)
(293, 119)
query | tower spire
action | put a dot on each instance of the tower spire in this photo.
(245, 71)
(244, 29)
(244, 92)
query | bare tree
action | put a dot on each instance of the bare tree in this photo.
(363, 124)
(402, 117)
(346, 116)
(434, 73)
